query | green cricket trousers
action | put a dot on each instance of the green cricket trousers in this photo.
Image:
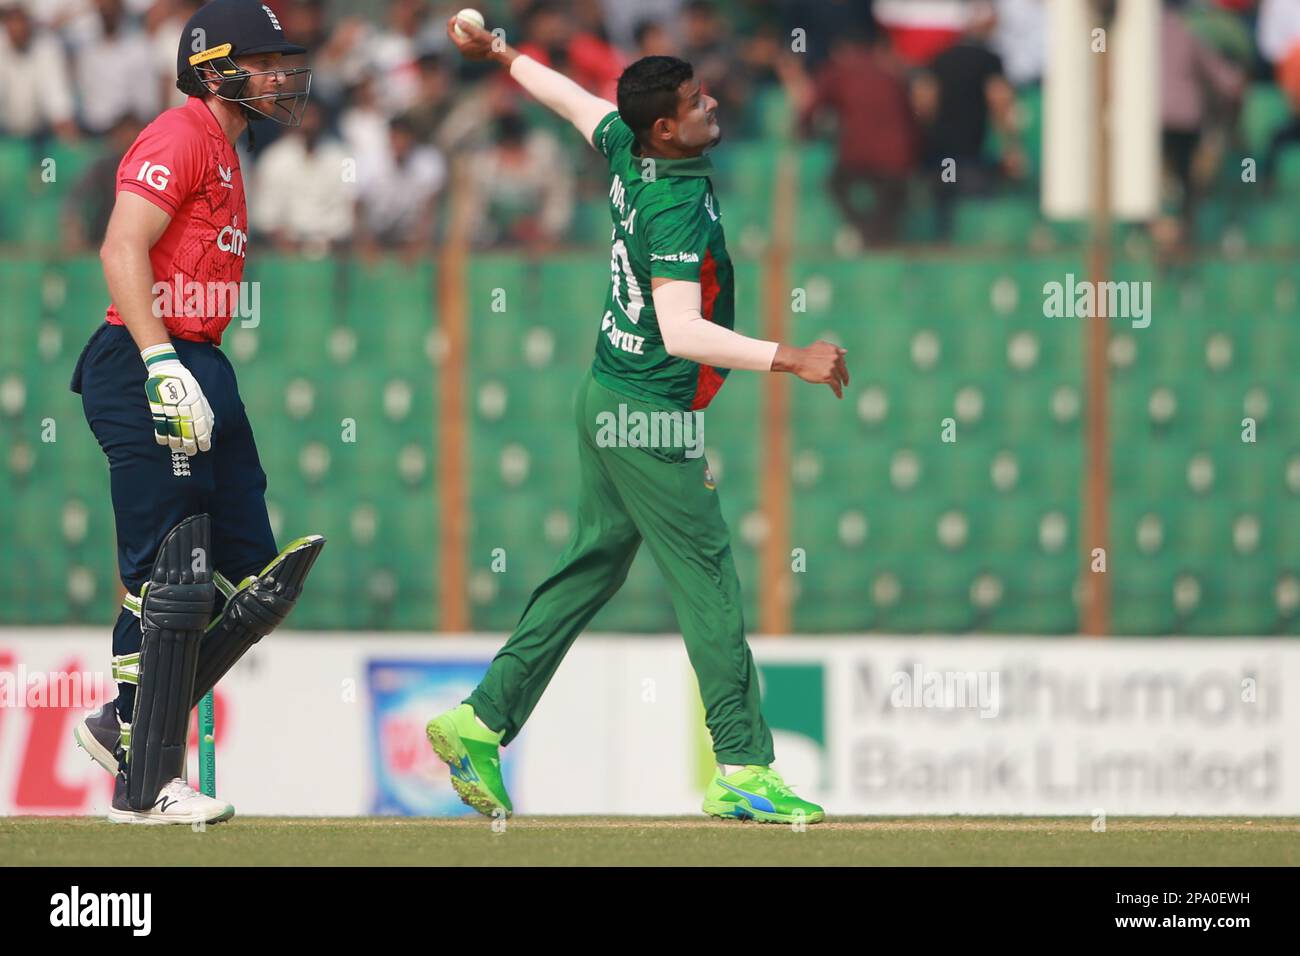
(665, 497)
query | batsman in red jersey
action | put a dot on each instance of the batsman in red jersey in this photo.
(193, 536)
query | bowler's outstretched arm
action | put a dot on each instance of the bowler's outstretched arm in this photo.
(549, 87)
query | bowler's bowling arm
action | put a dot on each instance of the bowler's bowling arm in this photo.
(561, 95)
(549, 87)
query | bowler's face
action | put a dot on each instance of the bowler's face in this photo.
(697, 117)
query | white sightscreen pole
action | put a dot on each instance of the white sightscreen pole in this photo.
(1069, 120)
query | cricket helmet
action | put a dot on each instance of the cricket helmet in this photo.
(224, 29)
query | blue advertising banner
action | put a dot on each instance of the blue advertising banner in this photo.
(404, 694)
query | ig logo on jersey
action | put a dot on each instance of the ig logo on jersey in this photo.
(155, 174)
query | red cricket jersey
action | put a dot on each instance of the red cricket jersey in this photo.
(184, 165)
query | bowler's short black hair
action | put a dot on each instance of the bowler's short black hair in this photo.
(647, 91)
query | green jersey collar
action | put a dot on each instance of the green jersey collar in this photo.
(690, 166)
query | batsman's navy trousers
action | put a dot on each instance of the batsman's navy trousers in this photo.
(153, 487)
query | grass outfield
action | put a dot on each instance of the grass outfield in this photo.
(614, 841)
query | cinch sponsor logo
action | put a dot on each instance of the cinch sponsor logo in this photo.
(232, 239)
(675, 257)
(74, 908)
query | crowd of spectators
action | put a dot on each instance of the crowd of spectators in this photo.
(900, 88)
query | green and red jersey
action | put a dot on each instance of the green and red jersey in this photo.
(667, 222)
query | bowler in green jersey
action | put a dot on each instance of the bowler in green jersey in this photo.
(665, 343)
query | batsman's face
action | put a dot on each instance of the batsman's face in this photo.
(697, 117)
(267, 79)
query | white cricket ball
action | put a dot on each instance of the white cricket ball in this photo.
(469, 15)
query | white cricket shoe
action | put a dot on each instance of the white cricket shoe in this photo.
(177, 802)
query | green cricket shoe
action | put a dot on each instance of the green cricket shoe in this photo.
(758, 793)
(470, 750)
